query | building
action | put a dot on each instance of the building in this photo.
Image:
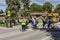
(37, 14)
(2, 16)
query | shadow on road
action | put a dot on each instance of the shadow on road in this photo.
(54, 32)
(41, 29)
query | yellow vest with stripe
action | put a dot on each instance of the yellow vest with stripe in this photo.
(23, 22)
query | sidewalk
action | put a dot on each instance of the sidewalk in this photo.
(30, 25)
(9, 27)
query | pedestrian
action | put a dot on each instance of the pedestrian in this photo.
(6, 23)
(11, 23)
(27, 22)
(16, 21)
(49, 22)
(34, 23)
(44, 20)
(3, 22)
(23, 24)
(20, 20)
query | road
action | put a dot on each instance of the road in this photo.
(29, 34)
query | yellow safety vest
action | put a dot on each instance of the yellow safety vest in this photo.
(54, 19)
(23, 22)
(8, 13)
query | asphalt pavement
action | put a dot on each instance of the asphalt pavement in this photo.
(30, 34)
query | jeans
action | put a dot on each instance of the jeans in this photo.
(23, 27)
(35, 26)
(11, 23)
(44, 23)
(49, 24)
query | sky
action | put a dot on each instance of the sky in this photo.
(41, 2)
(2, 5)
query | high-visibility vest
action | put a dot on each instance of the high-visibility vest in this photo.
(23, 22)
(54, 19)
(8, 13)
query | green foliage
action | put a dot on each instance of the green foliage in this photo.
(36, 8)
(1, 11)
(57, 9)
(13, 6)
(48, 7)
(26, 8)
(26, 4)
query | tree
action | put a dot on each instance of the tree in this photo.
(26, 8)
(1, 11)
(57, 9)
(13, 6)
(47, 7)
(36, 8)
